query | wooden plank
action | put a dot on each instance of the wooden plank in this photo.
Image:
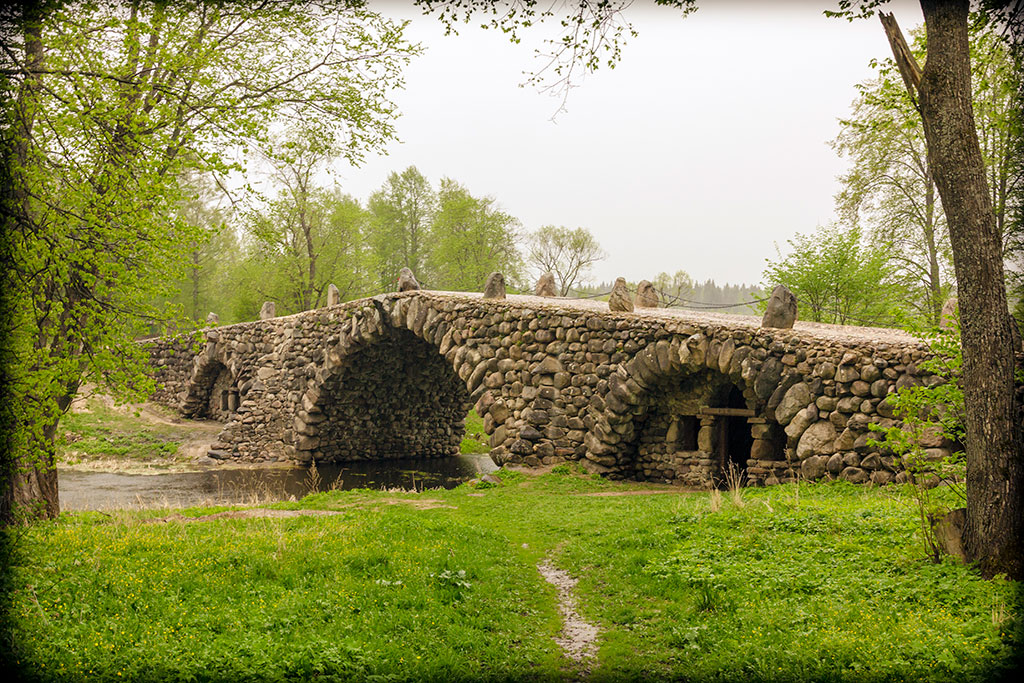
(727, 412)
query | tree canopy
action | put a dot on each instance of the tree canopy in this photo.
(106, 107)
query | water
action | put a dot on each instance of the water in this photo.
(104, 491)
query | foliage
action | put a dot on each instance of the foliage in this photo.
(212, 255)
(593, 32)
(837, 278)
(890, 189)
(675, 288)
(566, 253)
(927, 413)
(105, 108)
(470, 238)
(826, 586)
(402, 212)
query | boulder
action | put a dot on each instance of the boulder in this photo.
(803, 419)
(212, 318)
(407, 281)
(781, 311)
(793, 401)
(818, 439)
(494, 288)
(619, 299)
(814, 467)
(546, 285)
(267, 311)
(646, 295)
(333, 295)
(854, 475)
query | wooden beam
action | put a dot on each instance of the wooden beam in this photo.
(727, 412)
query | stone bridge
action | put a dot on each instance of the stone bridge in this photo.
(656, 394)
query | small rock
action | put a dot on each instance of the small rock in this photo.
(619, 300)
(407, 281)
(646, 295)
(495, 286)
(545, 285)
(781, 312)
(267, 311)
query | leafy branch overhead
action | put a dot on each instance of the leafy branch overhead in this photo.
(107, 108)
(590, 33)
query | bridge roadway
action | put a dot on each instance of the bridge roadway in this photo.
(656, 394)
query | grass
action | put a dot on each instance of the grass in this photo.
(475, 440)
(825, 582)
(109, 433)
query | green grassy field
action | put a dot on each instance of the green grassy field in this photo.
(810, 582)
(102, 432)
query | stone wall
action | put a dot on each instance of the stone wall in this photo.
(653, 394)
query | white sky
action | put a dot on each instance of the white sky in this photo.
(702, 149)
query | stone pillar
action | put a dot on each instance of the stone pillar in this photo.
(781, 311)
(267, 311)
(494, 288)
(672, 434)
(333, 296)
(646, 295)
(545, 285)
(706, 435)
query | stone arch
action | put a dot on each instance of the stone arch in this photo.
(682, 410)
(392, 384)
(212, 389)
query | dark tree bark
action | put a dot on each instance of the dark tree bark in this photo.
(994, 535)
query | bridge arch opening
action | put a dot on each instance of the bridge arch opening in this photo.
(213, 393)
(394, 396)
(694, 429)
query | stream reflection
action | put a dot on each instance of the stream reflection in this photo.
(103, 490)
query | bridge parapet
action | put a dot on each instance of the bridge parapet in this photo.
(656, 394)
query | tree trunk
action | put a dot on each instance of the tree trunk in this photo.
(995, 469)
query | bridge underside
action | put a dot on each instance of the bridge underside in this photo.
(395, 398)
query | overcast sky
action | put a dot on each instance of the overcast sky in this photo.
(705, 147)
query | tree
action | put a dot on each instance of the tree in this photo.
(568, 254)
(674, 288)
(994, 534)
(304, 241)
(890, 187)
(837, 278)
(471, 238)
(105, 106)
(308, 237)
(402, 211)
(210, 255)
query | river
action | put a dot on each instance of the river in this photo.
(220, 486)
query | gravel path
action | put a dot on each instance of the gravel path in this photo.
(578, 637)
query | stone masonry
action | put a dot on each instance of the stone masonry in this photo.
(654, 394)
